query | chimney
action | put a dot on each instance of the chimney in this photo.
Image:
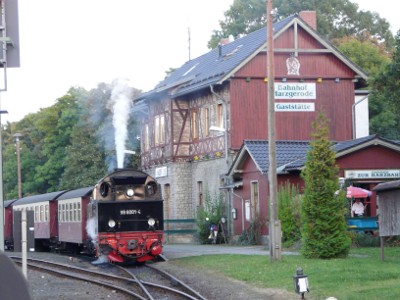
(310, 17)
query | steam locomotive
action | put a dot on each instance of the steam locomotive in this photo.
(120, 218)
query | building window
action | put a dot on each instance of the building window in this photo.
(146, 139)
(220, 115)
(195, 125)
(206, 121)
(254, 199)
(200, 193)
(159, 129)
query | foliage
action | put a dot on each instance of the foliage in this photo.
(252, 235)
(364, 239)
(384, 100)
(289, 203)
(324, 226)
(366, 52)
(335, 19)
(65, 146)
(210, 213)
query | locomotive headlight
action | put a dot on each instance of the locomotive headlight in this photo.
(111, 223)
(151, 222)
(130, 192)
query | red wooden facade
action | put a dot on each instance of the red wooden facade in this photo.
(334, 94)
(373, 155)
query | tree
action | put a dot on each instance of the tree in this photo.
(324, 232)
(85, 159)
(366, 52)
(384, 101)
(335, 19)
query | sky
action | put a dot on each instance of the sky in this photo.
(67, 43)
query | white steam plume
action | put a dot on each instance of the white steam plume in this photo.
(120, 104)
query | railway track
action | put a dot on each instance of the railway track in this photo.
(144, 283)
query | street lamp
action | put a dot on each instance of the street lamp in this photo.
(17, 136)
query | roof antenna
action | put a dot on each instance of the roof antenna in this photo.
(189, 41)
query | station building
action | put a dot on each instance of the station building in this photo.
(198, 121)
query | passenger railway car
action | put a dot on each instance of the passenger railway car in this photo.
(45, 217)
(72, 211)
(127, 213)
(120, 218)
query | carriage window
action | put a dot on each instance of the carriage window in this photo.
(70, 211)
(75, 218)
(59, 213)
(79, 212)
(36, 213)
(63, 212)
(46, 212)
(41, 216)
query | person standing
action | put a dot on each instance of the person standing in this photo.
(357, 209)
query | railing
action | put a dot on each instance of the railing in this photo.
(362, 223)
(179, 226)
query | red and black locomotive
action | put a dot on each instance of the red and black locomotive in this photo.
(127, 209)
(120, 218)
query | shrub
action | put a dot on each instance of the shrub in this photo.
(252, 235)
(289, 203)
(210, 213)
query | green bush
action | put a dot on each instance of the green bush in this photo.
(289, 203)
(210, 213)
(252, 235)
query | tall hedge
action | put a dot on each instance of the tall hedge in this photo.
(324, 232)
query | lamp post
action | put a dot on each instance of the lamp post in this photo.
(1, 188)
(17, 136)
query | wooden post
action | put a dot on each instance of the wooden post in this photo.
(275, 243)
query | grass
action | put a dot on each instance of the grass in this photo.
(362, 275)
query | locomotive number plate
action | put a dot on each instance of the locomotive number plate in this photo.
(125, 212)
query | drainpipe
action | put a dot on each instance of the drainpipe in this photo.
(225, 123)
(243, 208)
(353, 114)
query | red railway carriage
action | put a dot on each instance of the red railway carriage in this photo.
(72, 211)
(127, 212)
(8, 224)
(45, 220)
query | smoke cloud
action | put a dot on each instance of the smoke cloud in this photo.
(120, 104)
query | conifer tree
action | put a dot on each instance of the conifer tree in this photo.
(324, 232)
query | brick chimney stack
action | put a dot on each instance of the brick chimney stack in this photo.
(310, 17)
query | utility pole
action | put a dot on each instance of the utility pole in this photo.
(275, 242)
(17, 136)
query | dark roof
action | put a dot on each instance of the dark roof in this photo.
(292, 155)
(78, 193)
(387, 186)
(39, 198)
(219, 64)
(286, 152)
(212, 67)
(7, 203)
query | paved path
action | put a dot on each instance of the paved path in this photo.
(172, 251)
